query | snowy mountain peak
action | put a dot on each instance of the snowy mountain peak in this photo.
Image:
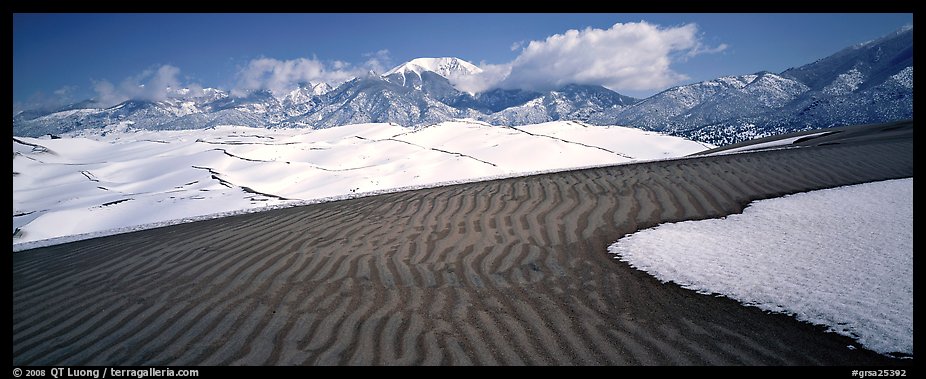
(193, 93)
(447, 67)
(304, 92)
(321, 89)
(896, 33)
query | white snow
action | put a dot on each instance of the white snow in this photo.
(94, 183)
(904, 77)
(774, 144)
(774, 91)
(840, 257)
(67, 113)
(737, 82)
(845, 83)
(448, 67)
(614, 138)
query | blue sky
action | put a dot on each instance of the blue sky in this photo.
(67, 57)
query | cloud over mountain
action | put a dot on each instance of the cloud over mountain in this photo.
(282, 76)
(624, 57)
(152, 85)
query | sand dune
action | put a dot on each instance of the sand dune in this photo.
(508, 272)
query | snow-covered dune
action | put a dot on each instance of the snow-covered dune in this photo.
(90, 184)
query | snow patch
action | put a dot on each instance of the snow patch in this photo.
(840, 257)
(904, 77)
(845, 83)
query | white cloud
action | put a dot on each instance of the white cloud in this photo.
(152, 85)
(196, 90)
(65, 92)
(41, 101)
(624, 57)
(159, 83)
(282, 76)
(107, 94)
(701, 49)
(379, 61)
(491, 75)
(628, 57)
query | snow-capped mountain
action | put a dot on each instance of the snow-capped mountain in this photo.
(374, 99)
(572, 102)
(304, 98)
(867, 64)
(434, 83)
(447, 67)
(713, 101)
(866, 83)
(416, 93)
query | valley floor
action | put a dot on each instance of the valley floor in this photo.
(509, 271)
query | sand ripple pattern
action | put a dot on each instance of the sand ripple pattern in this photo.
(505, 272)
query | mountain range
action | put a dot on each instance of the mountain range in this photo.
(866, 83)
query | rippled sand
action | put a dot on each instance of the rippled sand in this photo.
(509, 272)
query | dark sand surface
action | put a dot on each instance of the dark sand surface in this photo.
(509, 272)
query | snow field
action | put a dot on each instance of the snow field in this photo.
(94, 183)
(840, 257)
